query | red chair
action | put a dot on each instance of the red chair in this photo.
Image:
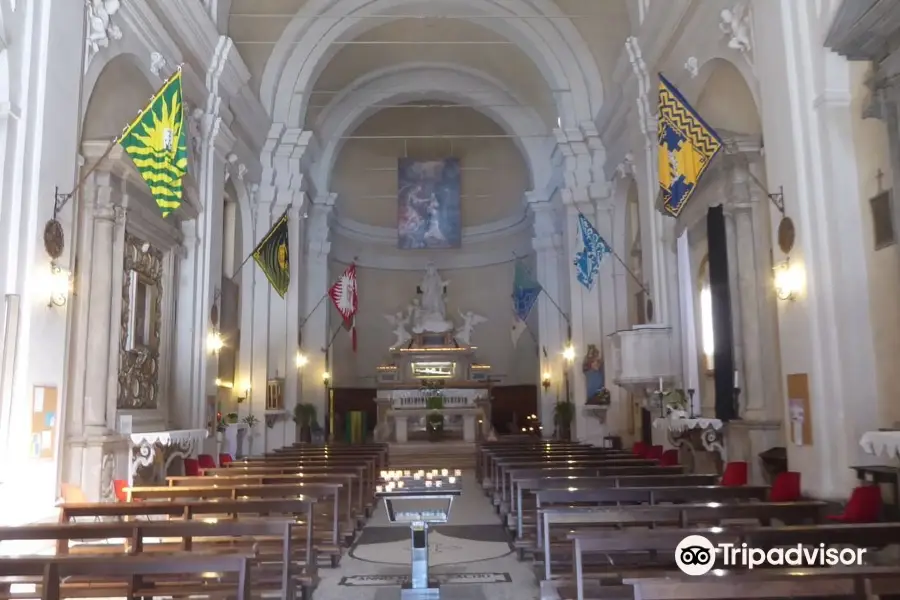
(654, 453)
(639, 449)
(786, 487)
(864, 506)
(735, 474)
(191, 467)
(669, 458)
(206, 461)
(225, 459)
(119, 486)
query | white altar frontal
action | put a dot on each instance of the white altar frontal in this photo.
(432, 370)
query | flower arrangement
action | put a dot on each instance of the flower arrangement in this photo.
(601, 397)
(675, 399)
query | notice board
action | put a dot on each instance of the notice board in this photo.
(44, 417)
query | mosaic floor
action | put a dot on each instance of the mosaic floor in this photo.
(470, 557)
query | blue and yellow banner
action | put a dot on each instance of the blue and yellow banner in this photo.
(686, 147)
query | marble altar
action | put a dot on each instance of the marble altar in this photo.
(431, 359)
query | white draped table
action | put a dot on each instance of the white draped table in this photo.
(879, 443)
(152, 452)
(694, 435)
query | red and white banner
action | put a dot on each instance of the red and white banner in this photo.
(346, 299)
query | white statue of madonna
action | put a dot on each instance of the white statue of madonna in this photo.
(432, 314)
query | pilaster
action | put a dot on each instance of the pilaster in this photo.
(585, 186)
(315, 334)
(552, 329)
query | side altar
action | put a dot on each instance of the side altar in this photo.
(433, 375)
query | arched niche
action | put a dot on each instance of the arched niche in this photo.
(726, 101)
(120, 92)
(493, 179)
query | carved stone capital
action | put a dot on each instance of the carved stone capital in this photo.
(550, 243)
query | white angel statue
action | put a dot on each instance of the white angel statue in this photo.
(100, 13)
(399, 321)
(464, 332)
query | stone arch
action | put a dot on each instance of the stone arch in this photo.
(428, 81)
(555, 46)
(101, 65)
(738, 71)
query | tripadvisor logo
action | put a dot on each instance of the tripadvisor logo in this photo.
(696, 555)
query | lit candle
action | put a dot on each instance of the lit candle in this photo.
(453, 480)
(660, 384)
(384, 474)
(428, 483)
(737, 379)
(457, 473)
(417, 476)
(444, 472)
(378, 489)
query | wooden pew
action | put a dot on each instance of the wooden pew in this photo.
(595, 468)
(484, 449)
(381, 452)
(659, 546)
(586, 456)
(609, 466)
(556, 523)
(531, 482)
(279, 564)
(350, 481)
(131, 577)
(301, 509)
(366, 468)
(858, 582)
(489, 455)
(333, 524)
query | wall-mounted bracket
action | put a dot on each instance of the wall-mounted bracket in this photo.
(778, 199)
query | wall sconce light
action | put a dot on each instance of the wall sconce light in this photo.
(240, 399)
(569, 353)
(545, 381)
(214, 341)
(788, 280)
(301, 360)
(326, 378)
(60, 286)
(224, 384)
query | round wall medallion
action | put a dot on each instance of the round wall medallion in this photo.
(54, 239)
(786, 235)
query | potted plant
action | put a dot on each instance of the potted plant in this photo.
(563, 414)
(231, 418)
(304, 417)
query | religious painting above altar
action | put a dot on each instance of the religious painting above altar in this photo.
(429, 214)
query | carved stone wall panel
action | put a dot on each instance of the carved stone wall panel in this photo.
(139, 342)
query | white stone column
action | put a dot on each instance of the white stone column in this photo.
(100, 314)
(826, 332)
(315, 334)
(585, 319)
(284, 318)
(552, 331)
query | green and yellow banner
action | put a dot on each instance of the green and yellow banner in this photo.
(156, 143)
